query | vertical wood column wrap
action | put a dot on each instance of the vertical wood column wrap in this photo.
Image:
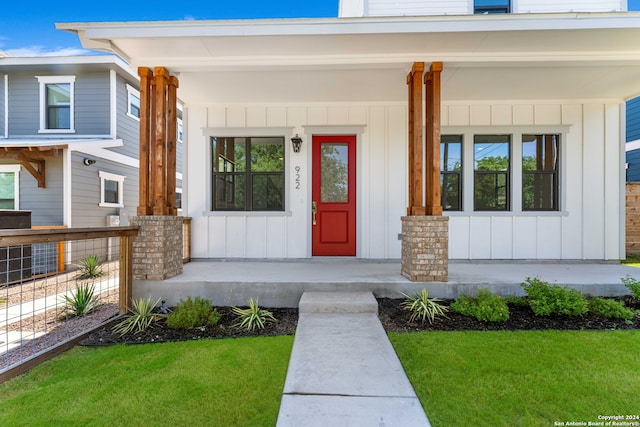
(432, 165)
(144, 199)
(159, 154)
(171, 146)
(414, 83)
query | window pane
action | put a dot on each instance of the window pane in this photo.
(540, 172)
(334, 172)
(7, 190)
(540, 152)
(134, 105)
(451, 152)
(450, 191)
(539, 191)
(268, 190)
(492, 6)
(491, 192)
(267, 155)
(491, 152)
(58, 106)
(229, 154)
(110, 191)
(229, 191)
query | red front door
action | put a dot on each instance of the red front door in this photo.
(334, 196)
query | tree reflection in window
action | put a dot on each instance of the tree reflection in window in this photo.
(334, 174)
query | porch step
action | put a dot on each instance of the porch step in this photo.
(338, 303)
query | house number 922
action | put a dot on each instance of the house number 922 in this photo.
(297, 177)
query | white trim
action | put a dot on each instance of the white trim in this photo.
(632, 145)
(241, 131)
(131, 91)
(15, 169)
(113, 106)
(44, 81)
(67, 189)
(6, 106)
(107, 176)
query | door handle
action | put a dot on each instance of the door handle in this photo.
(314, 212)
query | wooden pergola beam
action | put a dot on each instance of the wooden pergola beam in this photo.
(414, 83)
(32, 158)
(432, 166)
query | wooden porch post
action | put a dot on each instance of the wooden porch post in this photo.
(144, 203)
(432, 91)
(414, 82)
(158, 97)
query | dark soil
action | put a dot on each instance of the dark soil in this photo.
(392, 317)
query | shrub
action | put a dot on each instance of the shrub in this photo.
(192, 314)
(546, 299)
(252, 317)
(485, 306)
(423, 307)
(611, 309)
(142, 316)
(81, 301)
(633, 285)
(90, 267)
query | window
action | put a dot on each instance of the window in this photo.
(111, 190)
(9, 187)
(540, 155)
(179, 199)
(491, 154)
(133, 102)
(56, 104)
(451, 172)
(179, 131)
(248, 174)
(491, 6)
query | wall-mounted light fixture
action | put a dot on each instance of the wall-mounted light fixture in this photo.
(296, 142)
(88, 162)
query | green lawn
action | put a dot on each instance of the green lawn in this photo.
(632, 261)
(533, 378)
(230, 382)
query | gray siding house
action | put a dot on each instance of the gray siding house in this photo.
(69, 137)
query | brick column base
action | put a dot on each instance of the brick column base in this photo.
(425, 248)
(157, 249)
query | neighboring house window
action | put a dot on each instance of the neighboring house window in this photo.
(248, 174)
(9, 187)
(492, 163)
(491, 6)
(56, 104)
(133, 102)
(540, 158)
(451, 172)
(179, 130)
(179, 199)
(111, 189)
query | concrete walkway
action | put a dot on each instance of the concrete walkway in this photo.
(343, 370)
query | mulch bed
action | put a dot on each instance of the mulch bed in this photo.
(392, 317)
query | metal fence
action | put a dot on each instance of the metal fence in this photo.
(44, 310)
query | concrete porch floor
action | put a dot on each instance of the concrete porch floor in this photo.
(280, 283)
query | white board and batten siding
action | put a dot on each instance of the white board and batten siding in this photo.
(465, 7)
(588, 225)
(381, 179)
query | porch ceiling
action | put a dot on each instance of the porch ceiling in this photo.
(550, 56)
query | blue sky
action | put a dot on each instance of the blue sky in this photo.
(27, 26)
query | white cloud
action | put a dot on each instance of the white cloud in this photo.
(32, 51)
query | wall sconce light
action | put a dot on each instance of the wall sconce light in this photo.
(296, 142)
(88, 162)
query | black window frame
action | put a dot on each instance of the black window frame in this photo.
(554, 173)
(246, 177)
(496, 173)
(445, 173)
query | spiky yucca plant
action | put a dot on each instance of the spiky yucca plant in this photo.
(252, 317)
(142, 316)
(422, 307)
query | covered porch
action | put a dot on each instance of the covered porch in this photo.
(280, 283)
